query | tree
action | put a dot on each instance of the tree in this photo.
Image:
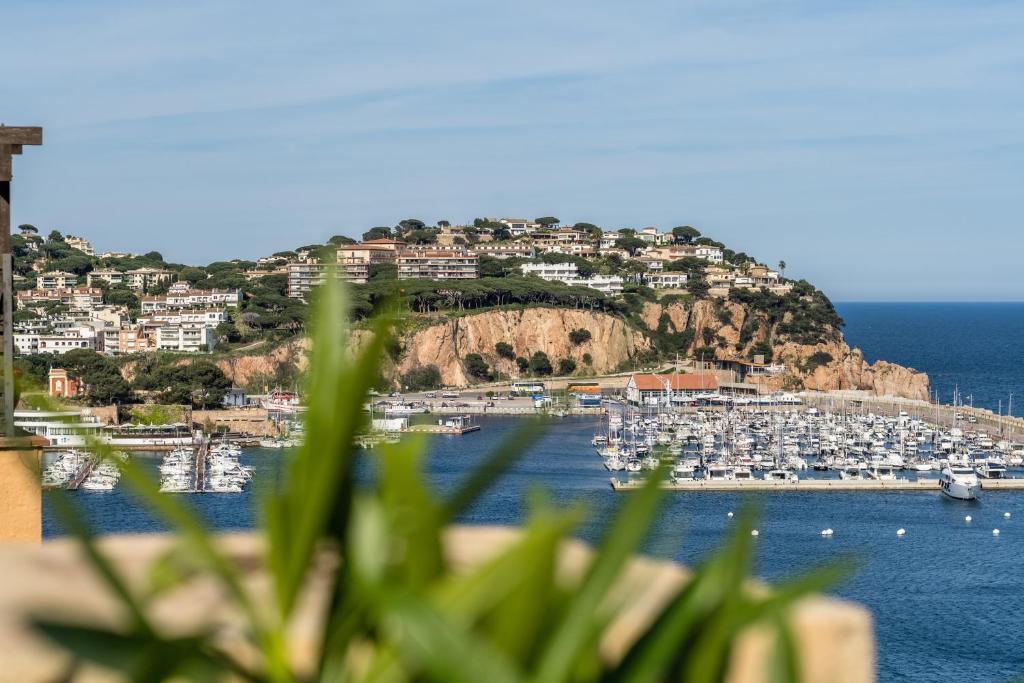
(684, 234)
(566, 366)
(630, 244)
(28, 227)
(477, 367)
(55, 236)
(339, 240)
(782, 268)
(540, 364)
(409, 224)
(505, 350)
(443, 224)
(588, 359)
(491, 266)
(579, 336)
(704, 353)
(522, 364)
(99, 375)
(546, 221)
(383, 271)
(421, 377)
(762, 348)
(192, 275)
(377, 233)
(698, 287)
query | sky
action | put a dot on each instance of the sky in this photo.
(876, 147)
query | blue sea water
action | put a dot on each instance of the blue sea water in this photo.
(947, 599)
(976, 347)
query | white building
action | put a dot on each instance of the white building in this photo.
(60, 344)
(186, 337)
(708, 253)
(606, 284)
(80, 243)
(108, 275)
(520, 226)
(304, 276)
(142, 279)
(438, 264)
(666, 280)
(561, 272)
(181, 296)
(56, 279)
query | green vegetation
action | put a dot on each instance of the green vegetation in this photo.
(422, 378)
(477, 367)
(505, 350)
(816, 360)
(99, 375)
(394, 607)
(579, 336)
(566, 366)
(173, 380)
(540, 364)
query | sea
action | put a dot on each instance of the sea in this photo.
(947, 598)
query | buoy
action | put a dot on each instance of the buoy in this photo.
(967, 518)
(901, 532)
(1006, 515)
(755, 532)
(730, 514)
(995, 532)
(826, 532)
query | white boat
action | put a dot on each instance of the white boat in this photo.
(959, 482)
(991, 469)
(781, 475)
(881, 472)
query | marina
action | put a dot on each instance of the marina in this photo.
(813, 485)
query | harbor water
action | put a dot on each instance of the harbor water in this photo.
(947, 597)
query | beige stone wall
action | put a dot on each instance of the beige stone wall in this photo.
(21, 501)
(247, 420)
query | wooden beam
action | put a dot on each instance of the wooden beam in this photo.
(21, 135)
(5, 163)
(15, 149)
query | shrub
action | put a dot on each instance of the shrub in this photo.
(579, 336)
(816, 360)
(566, 366)
(477, 367)
(762, 348)
(522, 364)
(588, 359)
(505, 350)
(540, 364)
(421, 378)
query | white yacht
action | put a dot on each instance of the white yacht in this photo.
(992, 469)
(959, 482)
(782, 475)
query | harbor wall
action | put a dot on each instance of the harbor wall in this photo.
(253, 421)
(1004, 426)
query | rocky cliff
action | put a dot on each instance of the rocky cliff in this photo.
(813, 353)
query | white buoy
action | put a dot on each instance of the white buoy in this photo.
(995, 532)
(901, 532)
(1006, 515)
(967, 518)
(730, 514)
(755, 532)
(826, 532)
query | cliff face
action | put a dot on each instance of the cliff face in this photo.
(446, 344)
(729, 330)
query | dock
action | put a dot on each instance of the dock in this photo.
(86, 470)
(442, 429)
(199, 463)
(808, 485)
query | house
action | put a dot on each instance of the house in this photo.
(664, 390)
(186, 337)
(666, 280)
(181, 296)
(56, 279)
(519, 227)
(438, 264)
(354, 261)
(606, 284)
(60, 344)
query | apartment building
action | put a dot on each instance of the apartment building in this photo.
(143, 279)
(304, 276)
(56, 279)
(504, 250)
(81, 298)
(185, 337)
(80, 243)
(606, 284)
(561, 272)
(354, 261)
(181, 296)
(438, 264)
(60, 344)
(665, 280)
(520, 226)
(109, 275)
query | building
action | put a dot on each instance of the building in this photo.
(79, 243)
(606, 284)
(60, 344)
(504, 250)
(438, 264)
(666, 280)
(304, 276)
(665, 390)
(108, 275)
(558, 272)
(185, 337)
(356, 260)
(26, 342)
(206, 316)
(144, 279)
(520, 226)
(181, 296)
(62, 385)
(80, 298)
(56, 279)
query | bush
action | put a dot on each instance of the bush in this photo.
(422, 378)
(566, 366)
(540, 364)
(579, 336)
(816, 360)
(505, 350)
(588, 359)
(477, 367)
(762, 348)
(522, 364)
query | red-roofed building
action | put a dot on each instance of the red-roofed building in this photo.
(653, 390)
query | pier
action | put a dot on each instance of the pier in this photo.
(816, 485)
(199, 464)
(86, 470)
(441, 429)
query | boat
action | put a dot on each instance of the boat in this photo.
(991, 469)
(960, 483)
(781, 475)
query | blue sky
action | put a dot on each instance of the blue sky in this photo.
(877, 147)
